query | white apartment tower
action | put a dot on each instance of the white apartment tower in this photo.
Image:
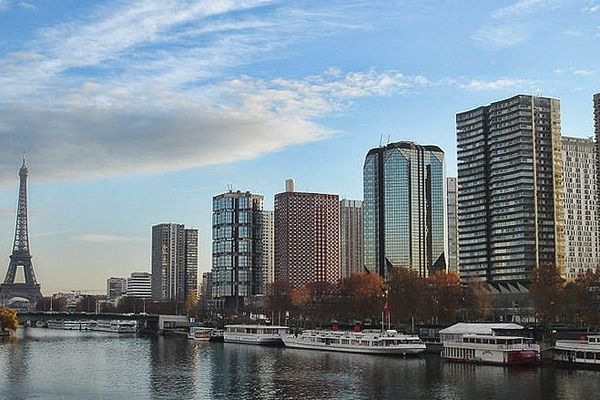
(581, 224)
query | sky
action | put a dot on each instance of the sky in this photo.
(134, 113)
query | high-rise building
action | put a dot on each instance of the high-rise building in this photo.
(237, 247)
(452, 213)
(139, 284)
(174, 262)
(115, 287)
(307, 238)
(581, 222)
(351, 237)
(597, 137)
(404, 208)
(268, 250)
(510, 195)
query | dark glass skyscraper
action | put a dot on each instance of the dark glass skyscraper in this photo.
(404, 210)
(510, 197)
(237, 247)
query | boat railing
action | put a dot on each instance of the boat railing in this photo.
(516, 346)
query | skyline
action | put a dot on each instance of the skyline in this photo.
(250, 93)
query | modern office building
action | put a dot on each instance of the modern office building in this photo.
(510, 196)
(580, 196)
(268, 250)
(404, 208)
(237, 247)
(307, 238)
(139, 284)
(115, 287)
(174, 262)
(452, 214)
(351, 237)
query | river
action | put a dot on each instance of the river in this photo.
(50, 364)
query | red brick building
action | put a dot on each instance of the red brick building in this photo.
(307, 238)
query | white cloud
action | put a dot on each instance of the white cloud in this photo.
(4, 5)
(498, 84)
(592, 8)
(514, 24)
(571, 33)
(105, 238)
(583, 72)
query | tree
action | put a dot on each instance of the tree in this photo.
(444, 296)
(406, 294)
(546, 291)
(8, 320)
(191, 305)
(477, 302)
(279, 298)
(586, 296)
(361, 296)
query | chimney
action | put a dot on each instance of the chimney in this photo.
(290, 185)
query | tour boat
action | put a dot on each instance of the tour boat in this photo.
(389, 342)
(491, 349)
(116, 326)
(254, 334)
(200, 333)
(581, 352)
(68, 325)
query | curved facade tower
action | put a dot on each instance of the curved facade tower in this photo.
(21, 256)
(404, 208)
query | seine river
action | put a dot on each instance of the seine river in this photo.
(49, 364)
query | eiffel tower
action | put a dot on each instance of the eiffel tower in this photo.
(21, 257)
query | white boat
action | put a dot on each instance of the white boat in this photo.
(581, 352)
(116, 326)
(389, 342)
(200, 333)
(491, 349)
(254, 334)
(66, 325)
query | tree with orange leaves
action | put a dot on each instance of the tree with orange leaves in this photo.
(361, 296)
(444, 296)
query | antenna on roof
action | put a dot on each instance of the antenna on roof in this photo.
(380, 139)
(388, 141)
(229, 187)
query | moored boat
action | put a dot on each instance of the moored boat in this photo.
(254, 334)
(490, 349)
(389, 342)
(200, 333)
(67, 325)
(116, 326)
(583, 352)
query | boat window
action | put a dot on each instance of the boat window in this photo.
(580, 354)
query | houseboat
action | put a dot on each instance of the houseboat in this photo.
(200, 333)
(585, 351)
(389, 342)
(116, 326)
(254, 334)
(501, 344)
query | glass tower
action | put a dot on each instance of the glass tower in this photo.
(237, 247)
(404, 209)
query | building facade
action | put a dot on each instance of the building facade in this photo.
(597, 137)
(268, 250)
(404, 209)
(452, 214)
(580, 203)
(237, 247)
(510, 199)
(351, 237)
(139, 285)
(174, 262)
(307, 238)
(115, 287)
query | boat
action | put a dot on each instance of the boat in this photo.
(67, 325)
(254, 334)
(200, 333)
(491, 349)
(389, 342)
(585, 351)
(116, 326)
(217, 335)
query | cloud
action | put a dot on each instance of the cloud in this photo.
(593, 8)
(498, 84)
(4, 5)
(104, 238)
(514, 24)
(583, 72)
(571, 33)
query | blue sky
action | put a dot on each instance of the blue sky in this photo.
(136, 113)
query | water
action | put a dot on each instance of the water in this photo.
(50, 364)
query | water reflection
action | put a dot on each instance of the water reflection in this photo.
(46, 364)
